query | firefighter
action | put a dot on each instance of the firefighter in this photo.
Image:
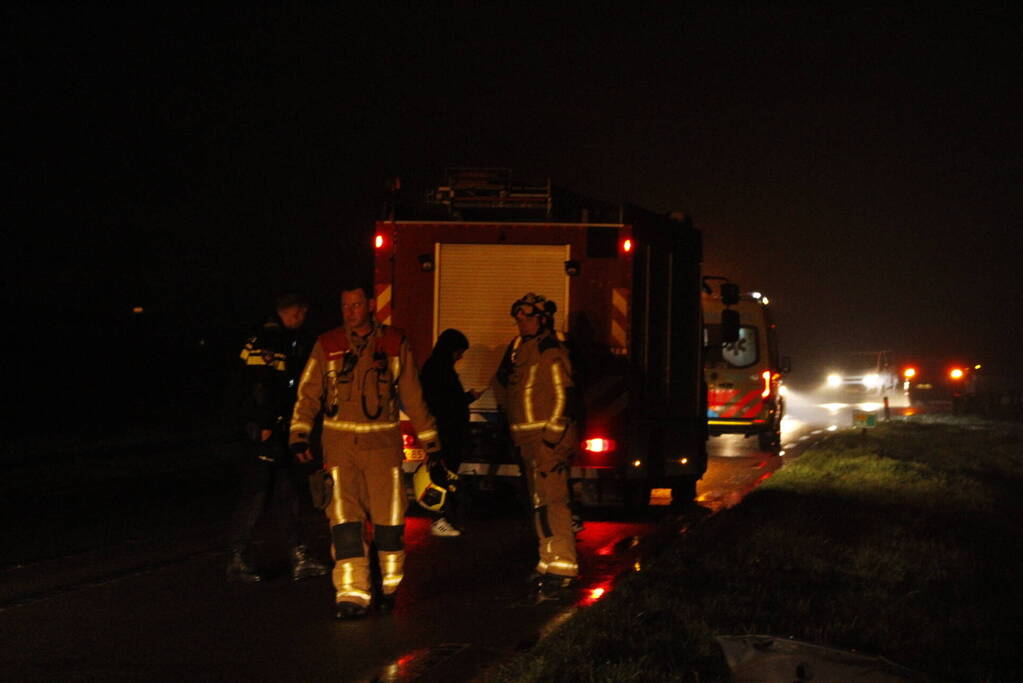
(533, 385)
(270, 363)
(355, 376)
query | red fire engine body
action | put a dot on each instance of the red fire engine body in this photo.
(627, 286)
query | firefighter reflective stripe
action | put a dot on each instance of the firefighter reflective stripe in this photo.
(527, 394)
(557, 418)
(307, 403)
(358, 427)
(527, 426)
(301, 428)
(383, 305)
(253, 355)
(398, 501)
(619, 321)
(427, 435)
(352, 595)
(344, 580)
(391, 569)
(560, 567)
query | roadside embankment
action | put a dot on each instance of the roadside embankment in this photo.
(901, 542)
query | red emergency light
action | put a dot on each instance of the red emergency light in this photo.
(599, 445)
(626, 245)
(909, 373)
(378, 241)
(956, 373)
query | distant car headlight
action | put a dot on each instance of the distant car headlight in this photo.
(872, 381)
(834, 380)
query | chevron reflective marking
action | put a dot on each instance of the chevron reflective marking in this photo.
(732, 403)
(619, 320)
(383, 306)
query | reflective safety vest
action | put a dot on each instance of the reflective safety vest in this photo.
(270, 364)
(534, 387)
(357, 383)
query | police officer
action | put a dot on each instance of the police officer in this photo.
(270, 362)
(533, 385)
(356, 376)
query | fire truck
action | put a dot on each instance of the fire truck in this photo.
(626, 283)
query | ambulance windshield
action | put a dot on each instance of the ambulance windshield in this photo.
(740, 354)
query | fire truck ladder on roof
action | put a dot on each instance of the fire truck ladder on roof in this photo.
(491, 188)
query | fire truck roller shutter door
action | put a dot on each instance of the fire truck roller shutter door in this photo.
(476, 282)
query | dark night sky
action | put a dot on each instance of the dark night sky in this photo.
(860, 166)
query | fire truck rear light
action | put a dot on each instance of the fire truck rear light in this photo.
(378, 241)
(408, 441)
(766, 376)
(626, 246)
(599, 445)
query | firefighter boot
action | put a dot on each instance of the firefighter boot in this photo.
(555, 587)
(303, 566)
(350, 610)
(239, 570)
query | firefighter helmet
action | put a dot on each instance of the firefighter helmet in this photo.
(431, 482)
(535, 304)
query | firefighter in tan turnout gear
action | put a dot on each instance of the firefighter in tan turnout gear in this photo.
(356, 375)
(533, 385)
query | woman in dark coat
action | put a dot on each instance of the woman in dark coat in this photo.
(449, 403)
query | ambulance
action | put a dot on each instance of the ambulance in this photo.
(744, 385)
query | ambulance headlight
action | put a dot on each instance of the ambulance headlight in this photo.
(872, 380)
(834, 380)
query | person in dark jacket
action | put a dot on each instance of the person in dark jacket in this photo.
(449, 402)
(271, 361)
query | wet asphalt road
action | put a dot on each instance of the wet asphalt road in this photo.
(465, 603)
(145, 599)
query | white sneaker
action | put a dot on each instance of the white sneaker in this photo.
(442, 527)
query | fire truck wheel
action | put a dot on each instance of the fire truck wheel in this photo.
(768, 441)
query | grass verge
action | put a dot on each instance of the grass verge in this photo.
(902, 543)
